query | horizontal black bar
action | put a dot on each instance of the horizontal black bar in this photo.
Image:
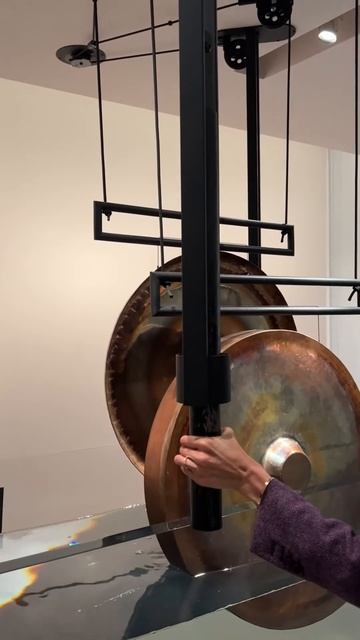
(108, 208)
(103, 208)
(173, 242)
(264, 311)
(130, 239)
(239, 248)
(172, 276)
(273, 226)
(281, 280)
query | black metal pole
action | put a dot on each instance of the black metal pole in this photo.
(1, 507)
(253, 139)
(271, 311)
(197, 386)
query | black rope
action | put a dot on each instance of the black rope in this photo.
(140, 55)
(157, 131)
(356, 290)
(161, 25)
(169, 23)
(356, 136)
(227, 6)
(94, 30)
(288, 104)
(101, 120)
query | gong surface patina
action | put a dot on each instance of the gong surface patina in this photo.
(140, 361)
(284, 385)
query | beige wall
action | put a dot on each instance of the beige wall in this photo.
(61, 292)
(344, 330)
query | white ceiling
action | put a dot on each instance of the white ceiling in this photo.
(322, 87)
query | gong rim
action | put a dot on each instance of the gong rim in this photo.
(166, 490)
(135, 383)
(278, 615)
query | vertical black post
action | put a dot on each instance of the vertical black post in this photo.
(1, 507)
(253, 139)
(200, 235)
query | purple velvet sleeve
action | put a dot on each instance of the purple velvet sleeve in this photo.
(293, 535)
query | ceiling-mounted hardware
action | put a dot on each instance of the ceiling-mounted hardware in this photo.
(235, 52)
(80, 55)
(235, 47)
(274, 13)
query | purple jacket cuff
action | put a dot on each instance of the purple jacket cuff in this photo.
(293, 535)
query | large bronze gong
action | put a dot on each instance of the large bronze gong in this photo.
(292, 400)
(140, 362)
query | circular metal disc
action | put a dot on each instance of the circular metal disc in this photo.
(284, 384)
(80, 55)
(140, 362)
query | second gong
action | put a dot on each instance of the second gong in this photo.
(296, 409)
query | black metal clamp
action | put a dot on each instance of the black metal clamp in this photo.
(355, 291)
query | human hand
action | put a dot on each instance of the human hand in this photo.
(221, 463)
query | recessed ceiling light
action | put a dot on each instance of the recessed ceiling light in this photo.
(328, 35)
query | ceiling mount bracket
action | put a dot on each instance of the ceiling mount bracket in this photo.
(80, 55)
(274, 13)
(234, 42)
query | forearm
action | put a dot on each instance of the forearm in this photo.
(293, 535)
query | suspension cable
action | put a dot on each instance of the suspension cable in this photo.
(356, 289)
(157, 131)
(161, 25)
(288, 105)
(356, 137)
(133, 56)
(169, 23)
(99, 89)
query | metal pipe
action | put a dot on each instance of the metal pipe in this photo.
(200, 234)
(172, 276)
(283, 311)
(174, 242)
(253, 140)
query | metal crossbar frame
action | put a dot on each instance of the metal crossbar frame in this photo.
(107, 209)
(158, 278)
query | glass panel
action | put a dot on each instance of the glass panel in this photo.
(121, 592)
(23, 549)
(125, 587)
